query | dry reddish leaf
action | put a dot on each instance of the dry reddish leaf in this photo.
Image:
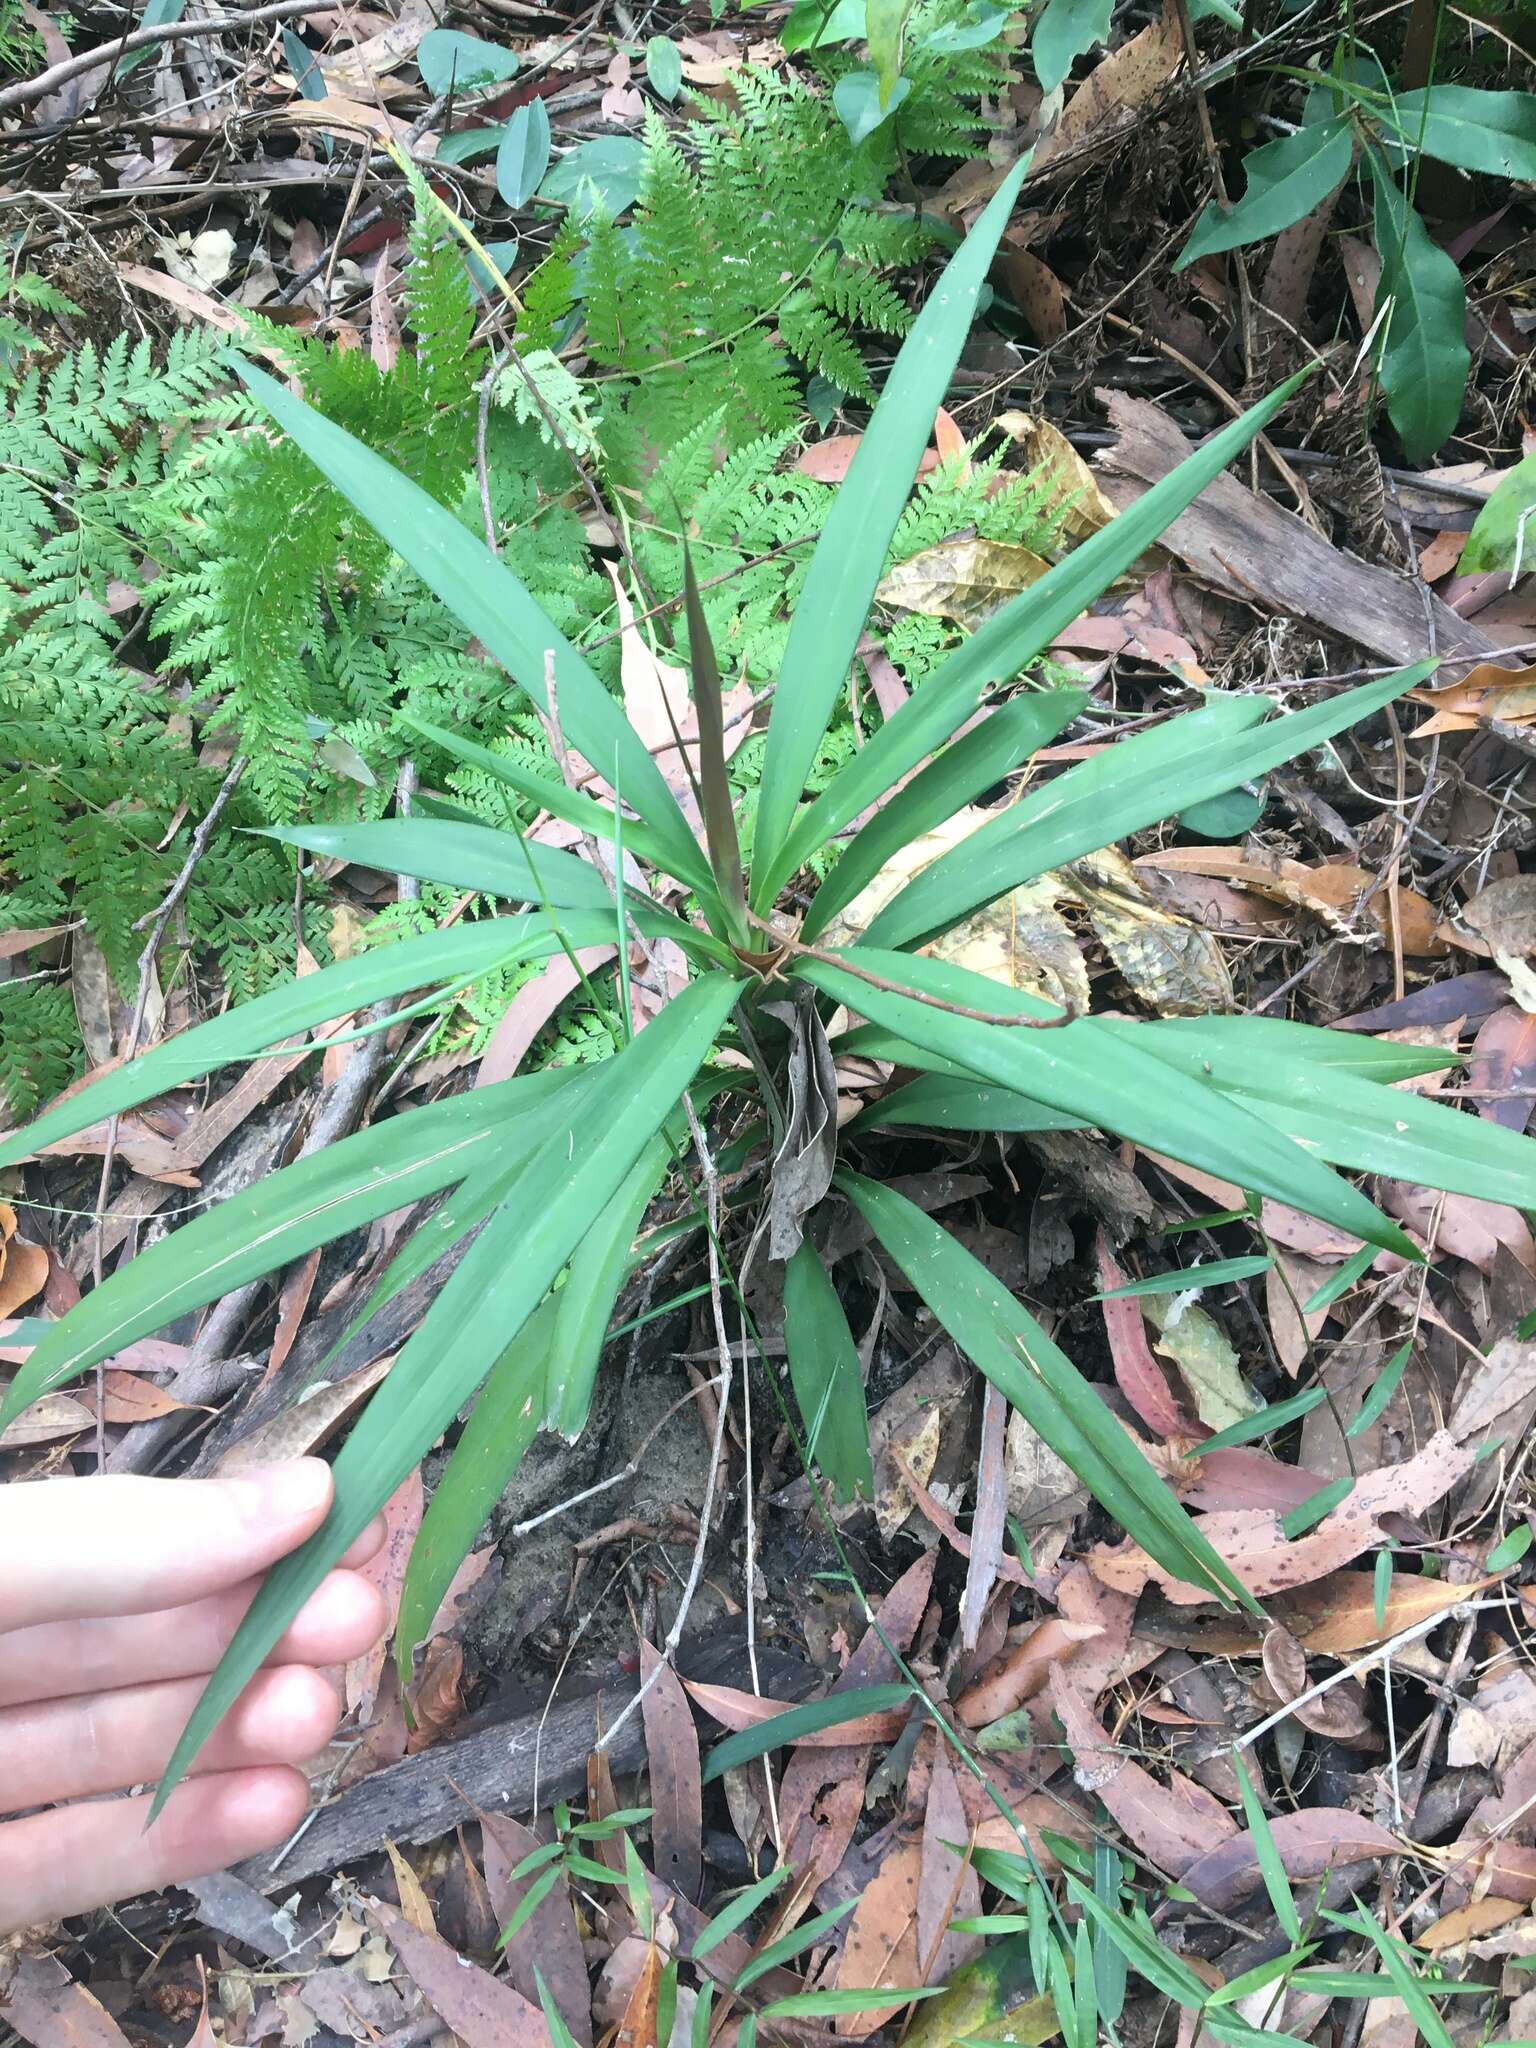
(1137, 1373)
(413, 1900)
(947, 1887)
(132, 1399)
(1285, 1663)
(1242, 1478)
(950, 444)
(307, 1425)
(1309, 1843)
(39, 2002)
(1021, 1671)
(481, 2010)
(881, 1946)
(1333, 890)
(676, 1796)
(1174, 1824)
(1504, 1058)
(23, 1266)
(1337, 1615)
(548, 1938)
(1254, 1545)
(637, 2028)
(1037, 292)
(436, 1699)
(1484, 694)
(827, 461)
(386, 1568)
(817, 1829)
(1478, 1916)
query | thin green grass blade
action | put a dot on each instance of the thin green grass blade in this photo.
(735, 1911)
(793, 1944)
(1074, 1068)
(850, 555)
(455, 956)
(1271, 1864)
(824, 1371)
(1383, 1387)
(1219, 1273)
(1133, 784)
(484, 596)
(1005, 1343)
(957, 777)
(1263, 1422)
(795, 1723)
(286, 1216)
(495, 1288)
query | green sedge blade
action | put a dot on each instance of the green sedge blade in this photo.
(507, 1271)
(483, 595)
(824, 1371)
(715, 800)
(850, 555)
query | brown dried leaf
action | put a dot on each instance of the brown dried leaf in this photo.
(1339, 1714)
(386, 1569)
(881, 1947)
(548, 1938)
(1331, 890)
(947, 1887)
(1285, 1664)
(41, 2003)
(1464, 1923)
(1309, 1843)
(1174, 1824)
(1504, 916)
(1254, 1545)
(637, 2028)
(414, 1903)
(1021, 1671)
(308, 1424)
(1175, 967)
(436, 1698)
(1503, 1058)
(1499, 1719)
(49, 1417)
(1484, 693)
(1054, 464)
(1137, 1373)
(966, 580)
(672, 1751)
(1106, 101)
(737, 1710)
(481, 2010)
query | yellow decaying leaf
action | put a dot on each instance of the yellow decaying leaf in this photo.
(1198, 1346)
(1176, 968)
(1052, 460)
(964, 580)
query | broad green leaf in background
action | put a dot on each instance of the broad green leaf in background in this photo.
(1004, 1342)
(859, 106)
(1502, 535)
(1491, 132)
(1126, 1090)
(449, 958)
(975, 34)
(501, 1425)
(1134, 784)
(302, 62)
(811, 25)
(157, 14)
(523, 157)
(885, 23)
(495, 1288)
(664, 67)
(1063, 32)
(479, 857)
(1286, 180)
(856, 535)
(824, 1371)
(465, 144)
(484, 596)
(601, 174)
(449, 60)
(1422, 356)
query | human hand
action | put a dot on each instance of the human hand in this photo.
(117, 1598)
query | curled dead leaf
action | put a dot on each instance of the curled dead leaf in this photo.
(966, 580)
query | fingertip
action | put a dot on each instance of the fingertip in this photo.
(254, 1809)
(368, 1544)
(292, 1498)
(343, 1617)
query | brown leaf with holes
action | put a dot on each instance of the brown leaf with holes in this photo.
(881, 1946)
(1341, 894)
(1254, 1544)
(386, 1569)
(1174, 1824)
(548, 1939)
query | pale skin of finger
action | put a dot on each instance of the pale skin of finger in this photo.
(344, 1617)
(77, 1857)
(76, 1749)
(120, 1545)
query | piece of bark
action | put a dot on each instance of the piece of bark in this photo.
(1246, 545)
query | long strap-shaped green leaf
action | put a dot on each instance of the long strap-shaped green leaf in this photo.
(496, 1287)
(1003, 1339)
(446, 958)
(1134, 784)
(850, 555)
(957, 777)
(1112, 1082)
(485, 597)
(1016, 636)
(285, 1216)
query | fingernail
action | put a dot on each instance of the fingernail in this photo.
(285, 1493)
